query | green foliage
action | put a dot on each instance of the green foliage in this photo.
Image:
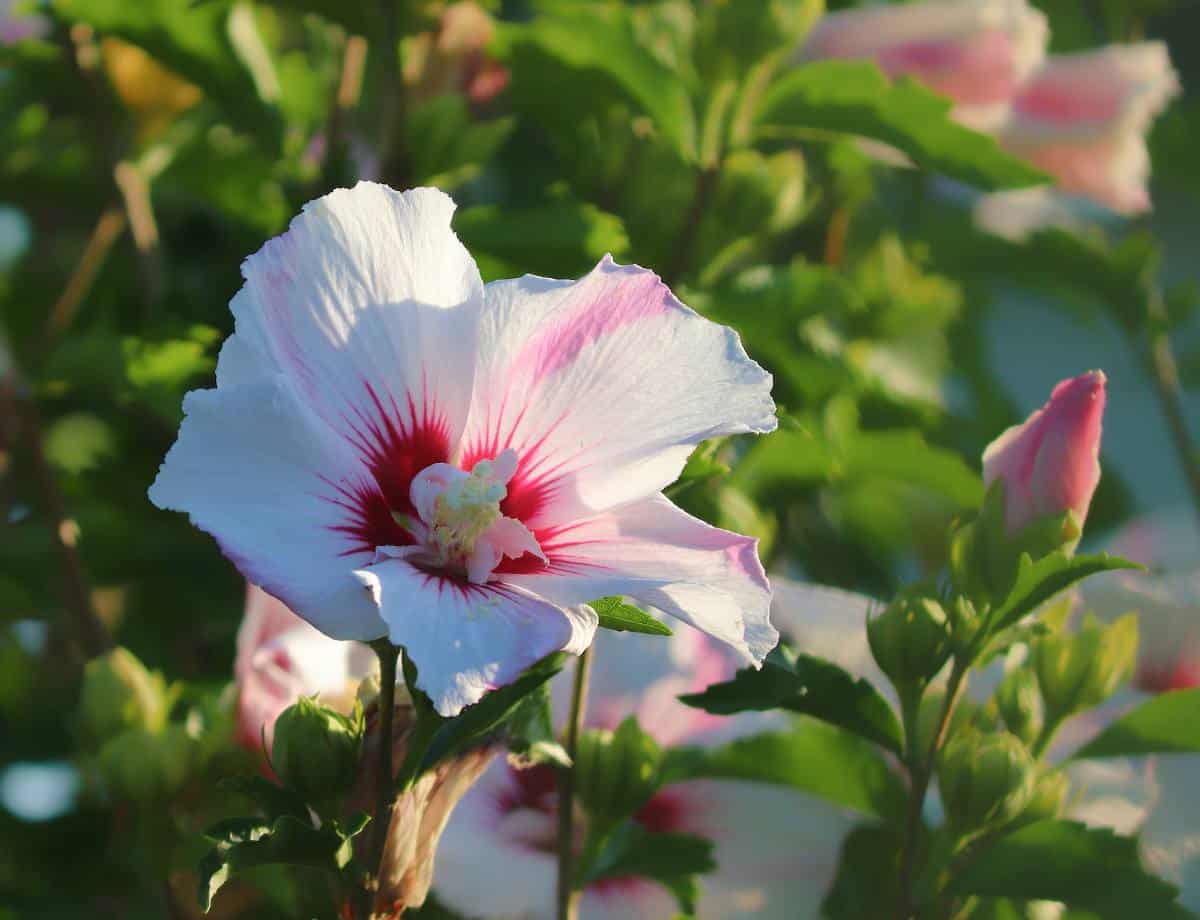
(1165, 724)
(1082, 867)
(855, 98)
(810, 686)
(619, 616)
(812, 757)
(671, 859)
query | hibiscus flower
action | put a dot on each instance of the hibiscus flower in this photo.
(395, 449)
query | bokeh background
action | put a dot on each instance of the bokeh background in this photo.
(148, 146)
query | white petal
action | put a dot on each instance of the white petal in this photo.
(368, 305)
(259, 472)
(467, 639)
(603, 387)
(659, 555)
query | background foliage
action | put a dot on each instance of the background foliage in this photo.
(147, 147)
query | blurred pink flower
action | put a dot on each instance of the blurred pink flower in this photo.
(1050, 464)
(393, 448)
(776, 848)
(18, 27)
(976, 52)
(1083, 118)
(281, 658)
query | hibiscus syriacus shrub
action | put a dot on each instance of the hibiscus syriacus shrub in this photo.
(581, 459)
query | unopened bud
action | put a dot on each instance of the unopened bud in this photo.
(985, 779)
(146, 766)
(118, 694)
(1049, 796)
(1020, 704)
(616, 771)
(1079, 670)
(315, 751)
(910, 640)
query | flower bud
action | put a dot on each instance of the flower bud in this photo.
(985, 779)
(1050, 464)
(1020, 704)
(616, 771)
(315, 750)
(118, 694)
(1049, 796)
(1079, 670)
(910, 640)
(146, 766)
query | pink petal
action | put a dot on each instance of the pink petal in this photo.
(661, 556)
(466, 639)
(603, 387)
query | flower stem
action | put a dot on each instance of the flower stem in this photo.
(921, 772)
(387, 654)
(568, 896)
(1165, 374)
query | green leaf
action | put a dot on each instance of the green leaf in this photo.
(854, 97)
(810, 686)
(813, 757)
(601, 38)
(435, 738)
(619, 616)
(244, 843)
(1039, 581)
(1168, 723)
(530, 732)
(272, 798)
(671, 859)
(868, 867)
(559, 237)
(1066, 861)
(79, 442)
(446, 145)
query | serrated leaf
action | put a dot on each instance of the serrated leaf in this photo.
(868, 867)
(813, 757)
(1066, 861)
(1039, 581)
(854, 97)
(671, 859)
(1168, 723)
(619, 616)
(810, 686)
(244, 843)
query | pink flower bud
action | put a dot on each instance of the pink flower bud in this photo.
(1083, 118)
(1050, 464)
(976, 53)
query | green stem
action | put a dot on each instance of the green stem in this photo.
(384, 794)
(1049, 730)
(921, 773)
(568, 895)
(1164, 372)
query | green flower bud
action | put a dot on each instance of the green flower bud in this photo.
(146, 766)
(1079, 670)
(118, 694)
(985, 779)
(616, 771)
(910, 640)
(1049, 796)
(316, 750)
(1020, 704)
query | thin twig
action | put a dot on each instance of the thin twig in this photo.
(107, 231)
(20, 420)
(568, 895)
(1165, 374)
(384, 793)
(681, 257)
(921, 772)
